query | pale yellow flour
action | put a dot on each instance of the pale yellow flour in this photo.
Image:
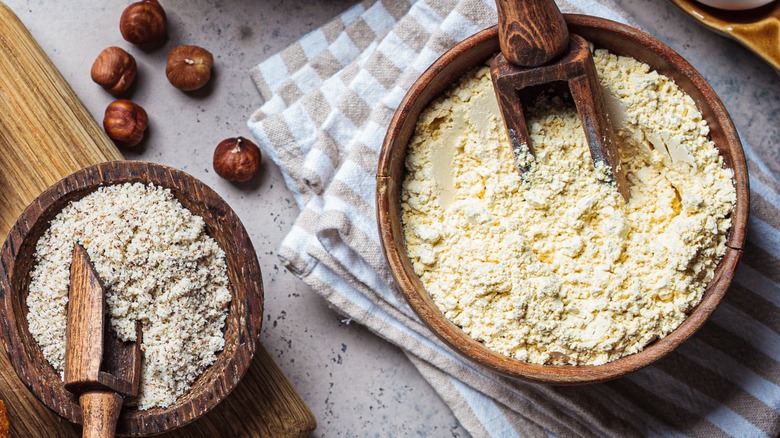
(555, 267)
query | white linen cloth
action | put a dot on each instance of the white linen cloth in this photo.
(328, 101)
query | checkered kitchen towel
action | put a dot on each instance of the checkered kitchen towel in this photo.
(328, 101)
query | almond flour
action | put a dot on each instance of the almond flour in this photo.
(555, 267)
(159, 267)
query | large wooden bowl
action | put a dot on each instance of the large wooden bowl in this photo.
(474, 51)
(242, 328)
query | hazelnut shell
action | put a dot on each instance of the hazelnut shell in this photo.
(125, 122)
(189, 67)
(144, 23)
(237, 159)
(114, 69)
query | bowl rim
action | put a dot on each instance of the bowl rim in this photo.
(36, 375)
(420, 301)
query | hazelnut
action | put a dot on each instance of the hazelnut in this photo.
(114, 69)
(144, 23)
(236, 159)
(189, 67)
(125, 122)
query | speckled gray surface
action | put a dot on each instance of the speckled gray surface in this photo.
(355, 383)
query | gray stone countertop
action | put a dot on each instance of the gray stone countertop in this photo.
(355, 383)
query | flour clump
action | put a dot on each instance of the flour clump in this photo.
(555, 267)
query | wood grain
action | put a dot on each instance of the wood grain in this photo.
(465, 56)
(100, 410)
(94, 358)
(86, 323)
(45, 135)
(101, 384)
(531, 32)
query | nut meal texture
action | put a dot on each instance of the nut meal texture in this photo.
(158, 266)
(555, 267)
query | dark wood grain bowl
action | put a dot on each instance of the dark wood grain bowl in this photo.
(475, 51)
(242, 328)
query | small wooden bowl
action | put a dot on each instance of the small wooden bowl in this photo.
(242, 328)
(474, 51)
(757, 29)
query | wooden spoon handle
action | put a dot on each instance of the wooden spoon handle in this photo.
(531, 32)
(100, 411)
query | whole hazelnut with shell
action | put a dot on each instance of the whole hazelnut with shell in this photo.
(125, 122)
(189, 67)
(144, 23)
(114, 69)
(236, 159)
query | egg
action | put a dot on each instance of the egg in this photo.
(735, 5)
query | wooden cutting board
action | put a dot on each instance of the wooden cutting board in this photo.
(45, 135)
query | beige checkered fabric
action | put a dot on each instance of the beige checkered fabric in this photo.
(328, 101)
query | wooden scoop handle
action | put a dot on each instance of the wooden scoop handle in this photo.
(531, 32)
(97, 365)
(100, 411)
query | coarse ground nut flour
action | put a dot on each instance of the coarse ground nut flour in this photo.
(555, 267)
(159, 267)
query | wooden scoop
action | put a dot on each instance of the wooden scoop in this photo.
(98, 366)
(536, 49)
